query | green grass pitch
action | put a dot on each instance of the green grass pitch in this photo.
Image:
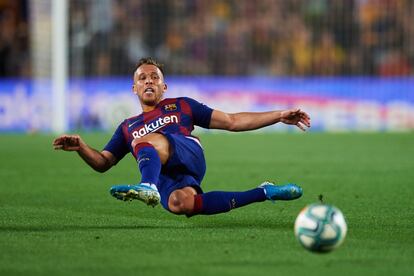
(57, 217)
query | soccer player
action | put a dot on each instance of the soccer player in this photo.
(170, 159)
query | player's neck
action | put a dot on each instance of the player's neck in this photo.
(148, 108)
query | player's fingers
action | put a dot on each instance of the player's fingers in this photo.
(305, 124)
(300, 126)
(58, 147)
(57, 141)
(74, 140)
(305, 121)
(61, 139)
(63, 136)
(72, 148)
(305, 115)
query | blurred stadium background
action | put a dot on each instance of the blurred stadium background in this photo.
(349, 63)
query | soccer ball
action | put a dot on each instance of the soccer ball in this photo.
(320, 227)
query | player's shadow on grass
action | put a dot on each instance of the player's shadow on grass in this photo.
(242, 224)
(63, 228)
(215, 224)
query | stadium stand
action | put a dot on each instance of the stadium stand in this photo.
(266, 37)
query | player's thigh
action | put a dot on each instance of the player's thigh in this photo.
(160, 143)
(187, 156)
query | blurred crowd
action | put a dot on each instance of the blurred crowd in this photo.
(241, 37)
(14, 40)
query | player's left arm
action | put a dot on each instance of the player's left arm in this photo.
(100, 161)
(254, 120)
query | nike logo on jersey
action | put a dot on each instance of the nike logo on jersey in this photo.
(154, 126)
(131, 124)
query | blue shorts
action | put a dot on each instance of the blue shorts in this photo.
(185, 167)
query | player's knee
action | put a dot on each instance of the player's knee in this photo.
(158, 141)
(155, 139)
(142, 140)
(181, 202)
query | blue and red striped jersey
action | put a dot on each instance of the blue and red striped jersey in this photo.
(173, 115)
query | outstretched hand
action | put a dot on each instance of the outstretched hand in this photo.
(295, 117)
(68, 143)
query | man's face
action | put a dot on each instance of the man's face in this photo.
(149, 84)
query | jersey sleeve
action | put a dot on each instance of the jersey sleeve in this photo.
(117, 145)
(201, 113)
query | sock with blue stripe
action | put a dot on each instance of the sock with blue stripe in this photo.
(221, 202)
(149, 162)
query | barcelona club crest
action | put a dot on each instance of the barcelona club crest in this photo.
(170, 107)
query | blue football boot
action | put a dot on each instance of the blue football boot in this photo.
(144, 192)
(281, 192)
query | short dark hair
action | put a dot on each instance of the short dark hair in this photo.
(150, 60)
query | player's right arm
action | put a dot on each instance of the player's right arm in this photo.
(206, 117)
(244, 121)
(99, 161)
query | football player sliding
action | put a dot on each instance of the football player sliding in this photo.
(170, 159)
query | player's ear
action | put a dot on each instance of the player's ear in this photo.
(165, 87)
(134, 89)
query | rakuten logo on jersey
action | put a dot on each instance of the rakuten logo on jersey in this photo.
(154, 126)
